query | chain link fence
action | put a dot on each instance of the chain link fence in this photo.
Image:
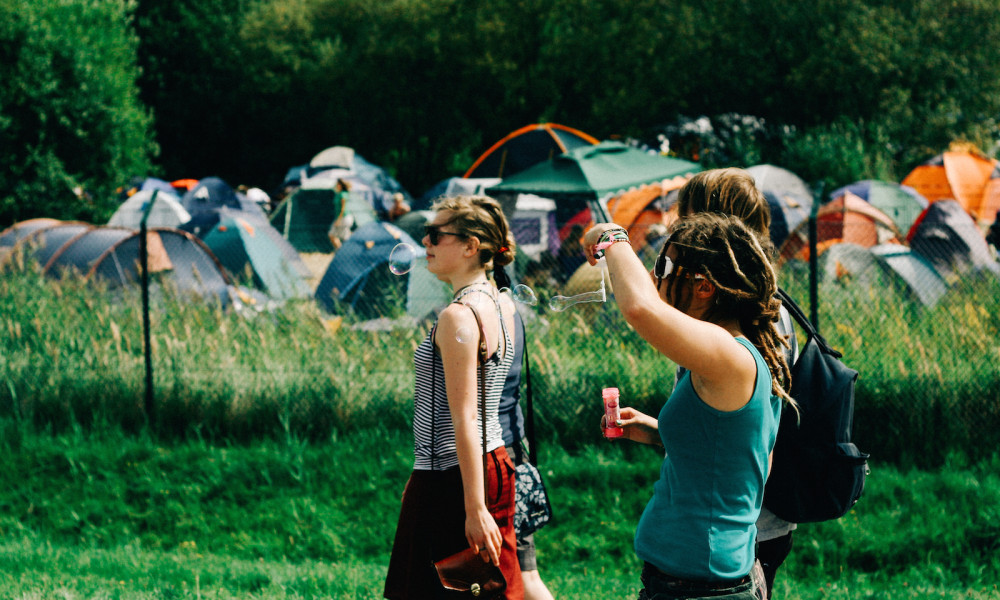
(914, 312)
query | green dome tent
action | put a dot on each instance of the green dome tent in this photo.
(246, 251)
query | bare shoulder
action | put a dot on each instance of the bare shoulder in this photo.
(456, 315)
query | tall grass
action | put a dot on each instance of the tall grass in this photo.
(928, 386)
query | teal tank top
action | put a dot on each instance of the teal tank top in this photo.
(700, 522)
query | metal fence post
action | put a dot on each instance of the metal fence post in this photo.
(150, 405)
(813, 255)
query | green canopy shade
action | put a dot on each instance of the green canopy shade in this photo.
(594, 172)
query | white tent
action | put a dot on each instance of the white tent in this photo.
(167, 211)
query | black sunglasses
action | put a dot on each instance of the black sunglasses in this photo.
(434, 233)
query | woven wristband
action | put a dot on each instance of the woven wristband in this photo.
(615, 233)
(613, 236)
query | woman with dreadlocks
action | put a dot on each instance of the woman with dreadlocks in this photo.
(710, 307)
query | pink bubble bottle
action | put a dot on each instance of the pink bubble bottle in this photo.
(611, 414)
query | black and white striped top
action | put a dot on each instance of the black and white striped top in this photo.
(433, 433)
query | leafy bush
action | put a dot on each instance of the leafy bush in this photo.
(72, 128)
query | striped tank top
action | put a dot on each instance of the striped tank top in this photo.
(433, 433)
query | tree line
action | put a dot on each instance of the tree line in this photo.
(95, 92)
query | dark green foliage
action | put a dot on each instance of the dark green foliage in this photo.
(72, 128)
(246, 89)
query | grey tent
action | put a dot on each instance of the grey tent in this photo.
(177, 260)
(951, 241)
(166, 210)
(852, 266)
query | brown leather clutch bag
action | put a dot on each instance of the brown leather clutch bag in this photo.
(466, 572)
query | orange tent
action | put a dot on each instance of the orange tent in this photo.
(184, 184)
(848, 218)
(526, 147)
(991, 198)
(633, 209)
(961, 174)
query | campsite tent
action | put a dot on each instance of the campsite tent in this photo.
(951, 241)
(167, 210)
(204, 201)
(589, 175)
(786, 216)
(782, 182)
(991, 195)
(533, 225)
(788, 197)
(111, 255)
(901, 203)
(363, 202)
(532, 218)
(880, 267)
(454, 186)
(345, 159)
(18, 231)
(958, 174)
(846, 219)
(304, 217)
(246, 250)
(526, 147)
(358, 277)
(637, 209)
(42, 243)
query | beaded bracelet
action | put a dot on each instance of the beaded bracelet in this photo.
(615, 233)
(608, 238)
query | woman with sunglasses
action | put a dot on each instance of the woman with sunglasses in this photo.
(445, 507)
(709, 307)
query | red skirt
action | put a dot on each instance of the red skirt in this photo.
(432, 526)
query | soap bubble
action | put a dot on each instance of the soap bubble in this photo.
(524, 295)
(401, 258)
(464, 335)
(561, 303)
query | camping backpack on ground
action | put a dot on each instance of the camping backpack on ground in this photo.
(817, 474)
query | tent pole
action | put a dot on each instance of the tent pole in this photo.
(150, 406)
(813, 258)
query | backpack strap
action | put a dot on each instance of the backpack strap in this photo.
(805, 323)
(529, 426)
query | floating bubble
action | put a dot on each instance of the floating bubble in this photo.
(561, 303)
(464, 335)
(524, 295)
(401, 259)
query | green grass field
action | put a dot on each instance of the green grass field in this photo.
(109, 515)
(281, 447)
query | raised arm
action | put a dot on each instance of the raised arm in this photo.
(724, 370)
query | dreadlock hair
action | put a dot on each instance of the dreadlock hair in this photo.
(482, 217)
(731, 256)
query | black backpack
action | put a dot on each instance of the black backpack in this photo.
(817, 474)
